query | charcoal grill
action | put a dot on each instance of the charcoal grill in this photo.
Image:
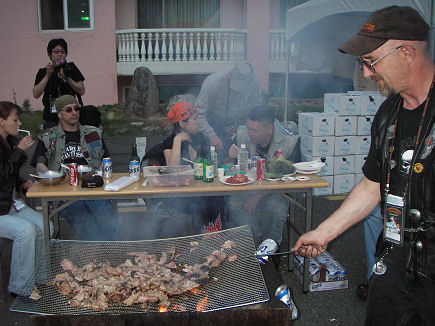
(232, 284)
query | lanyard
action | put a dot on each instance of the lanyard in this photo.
(417, 140)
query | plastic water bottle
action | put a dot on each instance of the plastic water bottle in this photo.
(242, 159)
(214, 157)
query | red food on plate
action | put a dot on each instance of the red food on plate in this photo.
(237, 178)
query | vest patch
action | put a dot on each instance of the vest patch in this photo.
(429, 144)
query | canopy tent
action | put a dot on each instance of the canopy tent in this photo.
(316, 28)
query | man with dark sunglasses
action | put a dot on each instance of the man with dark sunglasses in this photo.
(399, 172)
(71, 142)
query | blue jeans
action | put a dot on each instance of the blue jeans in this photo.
(268, 220)
(26, 229)
(373, 226)
(93, 220)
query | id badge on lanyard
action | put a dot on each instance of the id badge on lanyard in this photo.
(394, 219)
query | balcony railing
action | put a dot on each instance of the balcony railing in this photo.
(189, 50)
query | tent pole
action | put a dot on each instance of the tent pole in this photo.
(287, 66)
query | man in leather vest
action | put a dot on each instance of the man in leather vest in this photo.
(399, 172)
(71, 142)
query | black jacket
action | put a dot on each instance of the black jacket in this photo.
(421, 190)
(11, 159)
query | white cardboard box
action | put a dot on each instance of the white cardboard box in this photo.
(370, 101)
(362, 145)
(345, 145)
(318, 145)
(346, 125)
(325, 191)
(325, 273)
(342, 104)
(343, 183)
(316, 123)
(328, 169)
(358, 177)
(344, 164)
(364, 125)
(360, 159)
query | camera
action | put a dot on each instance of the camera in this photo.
(67, 67)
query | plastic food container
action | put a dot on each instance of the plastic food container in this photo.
(168, 176)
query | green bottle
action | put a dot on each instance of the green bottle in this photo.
(134, 156)
(208, 168)
(198, 165)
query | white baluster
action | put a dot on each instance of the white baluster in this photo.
(225, 47)
(142, 47)
(212, 47)
(177, 46)
(150, 47)
(129, 48)
(184, 48)
(135, 48)
(171, 46)
(231, 49)
(219, 54)
(205, 48)
(164, 52)
(191, 48)
(121, 48)
(157, 47)
(198, 46)
(273, 46)
(281, 46)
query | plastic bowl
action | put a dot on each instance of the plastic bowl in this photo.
(51, 178)
(83, 169)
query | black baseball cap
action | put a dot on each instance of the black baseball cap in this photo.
(391, 23)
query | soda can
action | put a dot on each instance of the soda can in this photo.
(134, 170)
(261, 168)
(268, 247)
(107, 167)
(283, 294)
(73, 174)
(254, 160)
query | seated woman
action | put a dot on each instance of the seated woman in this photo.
(185, 142)
(18, 222)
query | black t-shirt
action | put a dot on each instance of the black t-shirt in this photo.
(56, 87)
(198, 141)
(72, 150)
(406, 133)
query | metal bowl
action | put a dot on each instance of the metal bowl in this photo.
(50, 178)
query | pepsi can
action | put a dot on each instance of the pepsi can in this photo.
(107, 167)
(134, 170)
(283, 294)
(267, 247)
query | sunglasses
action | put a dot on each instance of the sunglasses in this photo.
(371, 65)
(69, 110)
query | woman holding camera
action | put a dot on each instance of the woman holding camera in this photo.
(58, 78)
(18, 222)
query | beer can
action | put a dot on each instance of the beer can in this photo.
(134, 170)
(107, 167)
(73, 174)
(268, 247)
(261, 168)
(283, 294)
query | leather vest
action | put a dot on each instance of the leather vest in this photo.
(421, 190)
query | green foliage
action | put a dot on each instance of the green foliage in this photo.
(26, 106)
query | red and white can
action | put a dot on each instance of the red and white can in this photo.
(261, 168)
(73, 174)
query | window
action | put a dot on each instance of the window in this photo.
(65, 15)
(178, 13)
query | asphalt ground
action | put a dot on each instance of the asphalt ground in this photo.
(335, 307)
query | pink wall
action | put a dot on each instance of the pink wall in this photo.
(257, 47)
(23, 50)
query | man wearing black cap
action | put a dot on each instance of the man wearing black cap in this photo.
(399, 171)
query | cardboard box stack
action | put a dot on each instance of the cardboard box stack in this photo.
(341, 134)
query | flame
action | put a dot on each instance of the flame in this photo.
(163, 309)
(202, 304)
(195, 291)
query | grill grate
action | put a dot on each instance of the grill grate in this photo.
(232, 284)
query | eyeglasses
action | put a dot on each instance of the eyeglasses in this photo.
(58, 51)
(69, 110)
(371, 65)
